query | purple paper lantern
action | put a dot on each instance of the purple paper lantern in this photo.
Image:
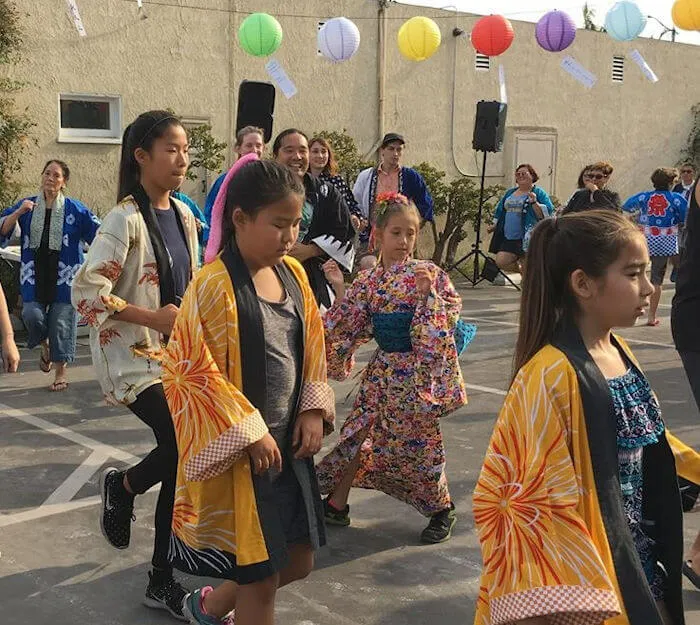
(555, 31)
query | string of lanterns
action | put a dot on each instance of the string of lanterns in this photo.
(419, 38)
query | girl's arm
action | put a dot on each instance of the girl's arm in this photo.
(93, 286)
(10, 354)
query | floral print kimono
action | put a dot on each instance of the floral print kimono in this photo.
(412, 380)
(124, 267)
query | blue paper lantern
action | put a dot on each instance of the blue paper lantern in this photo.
(625, 21)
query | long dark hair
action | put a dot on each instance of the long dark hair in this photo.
(141, 133)
(590, 241)
(285, 133)
(254, 186)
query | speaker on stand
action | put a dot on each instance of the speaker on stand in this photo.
(489, 130)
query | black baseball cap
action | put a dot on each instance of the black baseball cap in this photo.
(392, 137)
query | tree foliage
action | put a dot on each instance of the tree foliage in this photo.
(691, 152)
(205, 150)
(15, 126)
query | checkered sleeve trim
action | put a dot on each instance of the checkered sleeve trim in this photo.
(319, 396)
(226, 449)
(562, 605)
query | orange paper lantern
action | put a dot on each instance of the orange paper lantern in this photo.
(492, 35)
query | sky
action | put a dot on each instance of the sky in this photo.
(533, 10)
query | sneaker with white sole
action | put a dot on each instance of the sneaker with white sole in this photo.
(192, 609)
(117, 508)
(168, 596)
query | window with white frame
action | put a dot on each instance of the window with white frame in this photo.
(87, 118)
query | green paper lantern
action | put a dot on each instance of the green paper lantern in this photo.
(260, 34)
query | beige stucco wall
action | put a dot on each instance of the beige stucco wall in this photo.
(188, 60)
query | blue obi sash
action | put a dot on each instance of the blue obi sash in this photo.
(392, 331)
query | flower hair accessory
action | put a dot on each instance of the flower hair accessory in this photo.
(383, 201)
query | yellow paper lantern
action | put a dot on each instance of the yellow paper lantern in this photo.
(419, 38)
(686, 14)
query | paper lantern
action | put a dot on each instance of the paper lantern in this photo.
(338, 39)
(555, 31)
(492, 35)
(260, 34)
(625, 21)
(686, 14)
(419, 38)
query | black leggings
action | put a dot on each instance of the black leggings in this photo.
(158, 466)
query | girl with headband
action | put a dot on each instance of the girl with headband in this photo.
(129, 290)
(245, 378)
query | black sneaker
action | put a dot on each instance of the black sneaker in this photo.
(440, 527)
(340, 518)
(117, 508)
(169, 596)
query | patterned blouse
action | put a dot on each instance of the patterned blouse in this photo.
(121, 269)
(638, 424)
(339, 183)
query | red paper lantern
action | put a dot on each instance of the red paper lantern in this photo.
(492, 35)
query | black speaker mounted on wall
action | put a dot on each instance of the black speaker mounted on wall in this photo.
(489, 126)
(256, 106)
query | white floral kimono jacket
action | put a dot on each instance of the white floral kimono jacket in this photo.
(121, 269)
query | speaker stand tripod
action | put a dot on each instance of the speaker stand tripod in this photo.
(476, 252)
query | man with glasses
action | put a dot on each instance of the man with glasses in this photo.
(594, 194)
(687, 181)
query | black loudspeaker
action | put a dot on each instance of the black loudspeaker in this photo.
(256, 106)
(489, 126)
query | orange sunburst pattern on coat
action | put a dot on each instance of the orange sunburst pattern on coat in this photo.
(526, 499)
(201, 529)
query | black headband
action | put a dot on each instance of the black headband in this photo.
(153, 127)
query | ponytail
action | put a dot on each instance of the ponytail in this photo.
(142, 133)
(538, 305)
(590, 241)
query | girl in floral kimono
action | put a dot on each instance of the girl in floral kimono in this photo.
(129, 290)
(577, 506)
(392, 440)
(245, 378)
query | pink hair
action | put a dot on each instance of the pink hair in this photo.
(217, 212)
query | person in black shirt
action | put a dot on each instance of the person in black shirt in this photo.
(685, 313)
(592, 191)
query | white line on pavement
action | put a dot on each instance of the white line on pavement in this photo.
(515, 325)
(58, 430)
(76, 480)
(486, 389)
(44, 511)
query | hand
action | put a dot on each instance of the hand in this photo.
(26, 207)
(424, 281)
(591, 186)
(333, 273)
(308, 433)
(532, 197)
(490, 228)
(264, 454)
(355, 221)
(10, 355)
(163, 319)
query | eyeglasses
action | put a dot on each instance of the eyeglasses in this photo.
(687, 171)
(595, 176)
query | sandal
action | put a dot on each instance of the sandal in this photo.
(653, 324)
(45, 364)
(58, 386)
(691, 574)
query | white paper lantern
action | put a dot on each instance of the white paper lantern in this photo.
(338, 39)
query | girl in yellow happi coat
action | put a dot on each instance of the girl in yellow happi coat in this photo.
(577, 506)
(245, 379)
